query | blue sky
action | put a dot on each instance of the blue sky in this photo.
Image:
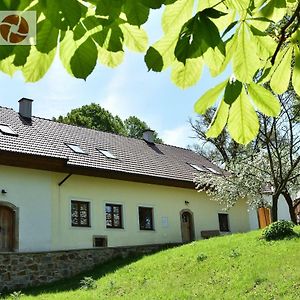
(126, 90)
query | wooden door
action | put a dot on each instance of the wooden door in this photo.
(264, 217)
(6, 229)
(186, 227)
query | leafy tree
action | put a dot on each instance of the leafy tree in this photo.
(257, 39)
(135, 128)
(95, 117)
(272, 162)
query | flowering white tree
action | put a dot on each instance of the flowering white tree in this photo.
(243, 180)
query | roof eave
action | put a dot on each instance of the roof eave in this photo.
(39, 162)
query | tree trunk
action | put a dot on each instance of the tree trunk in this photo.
(275, 207)
(289, 202)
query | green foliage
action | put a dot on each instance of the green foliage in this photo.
(95, 117)
(236, 109)
(135, 127)
(16, 295)
(201, 257)
(278, 230)
(88, 283)
(257, 40)
(234, 253)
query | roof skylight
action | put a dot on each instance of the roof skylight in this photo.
(5, 129)
(107, 153)
(76, 148)
(196, 167)
(213, 170)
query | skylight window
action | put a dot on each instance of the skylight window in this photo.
(5, 129)
(107, 153)
(196, 167)
(213, 170)
(76, 148)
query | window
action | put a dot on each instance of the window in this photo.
(5, 129)
(213, 170)
(223, 222)
(99, 241)
(76, 148)
(146, 218)
(197, 168)
(107, 153)
(113, 215)
(80, 213)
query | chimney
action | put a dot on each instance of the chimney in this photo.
(25, 108)
(148, 136)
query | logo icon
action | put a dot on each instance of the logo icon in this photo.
(17, 28)
(14, 29)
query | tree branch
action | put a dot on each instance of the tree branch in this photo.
(283, 36)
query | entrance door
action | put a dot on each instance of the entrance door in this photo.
(6, 229)
(187, 229)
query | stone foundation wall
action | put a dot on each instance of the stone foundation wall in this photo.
(21, 270)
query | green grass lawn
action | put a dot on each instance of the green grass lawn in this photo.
(239, 266)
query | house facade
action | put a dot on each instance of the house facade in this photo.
(66, 187)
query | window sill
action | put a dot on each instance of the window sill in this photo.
(79, 226)
(114, 228)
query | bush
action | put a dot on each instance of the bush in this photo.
(16, 295)
(279, 230)
(201, 257)
(234, 253)
(87, 283)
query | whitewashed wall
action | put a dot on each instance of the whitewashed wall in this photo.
(167, 202)
(45, 211)
(30, 191)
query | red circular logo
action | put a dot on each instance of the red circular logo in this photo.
(14, 29)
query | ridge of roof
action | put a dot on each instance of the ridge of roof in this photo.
(112, 133)
(9, 108)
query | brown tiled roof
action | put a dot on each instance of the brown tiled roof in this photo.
(46, 138)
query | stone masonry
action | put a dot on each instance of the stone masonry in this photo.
(21, 270)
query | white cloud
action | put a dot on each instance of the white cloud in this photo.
(115, 100)
(179, 136)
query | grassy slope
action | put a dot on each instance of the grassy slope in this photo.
(237, 267)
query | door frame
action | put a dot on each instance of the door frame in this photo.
(15, 211)
(192, 227)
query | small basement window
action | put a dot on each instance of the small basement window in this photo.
(107, 153)
(196, 167)
(76, 148)
(5, 129)
(99, 241)
(223, 222)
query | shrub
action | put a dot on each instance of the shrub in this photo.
(87, 283)
(16, 295)
(201, 257)
(234, 253)
(278, 230)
